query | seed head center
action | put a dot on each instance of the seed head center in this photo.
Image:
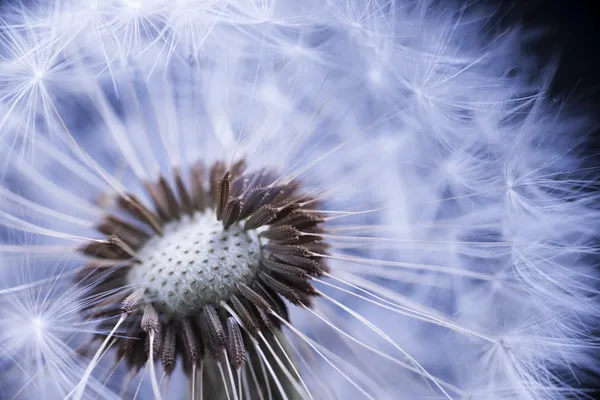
(195, 262)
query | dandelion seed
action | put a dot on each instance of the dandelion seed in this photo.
(230, 205)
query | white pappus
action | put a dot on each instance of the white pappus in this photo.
(274, 199)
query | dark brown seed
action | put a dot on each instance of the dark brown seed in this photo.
(210, 342)
(122, 246)
(309, 238)
(155, 193)
(239, 181)
(252, 201)
(184, 197)
(231, 212)
(287, 250)
(157, 343)
(168, 354)
(207, 338)
(249, 320)
(139, 355)
(105, 306)
(131, 234)
(300, 220)
(284, 290)
(130, 304)
(213, 331)
(300, 285)
(216, 174)
(134, 207)
(253, 297)
(260, 314)
(287, 193)
(236, 347)
(238, 186)
(275, 302)
(284, 234)
(199, 196)
(125, 347)
(102, 264)
(150, 321)
(263, 216)
(284, 212)
(319, 248)
(106, 310)
(313, 267)
(170, 200)
(190, 342)
(270, 195)
(284, 269)
(104, 250)
(263, 178)
(215, 325)
(102, 282)
(222, 195)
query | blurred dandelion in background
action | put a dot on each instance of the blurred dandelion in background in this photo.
(277, 199)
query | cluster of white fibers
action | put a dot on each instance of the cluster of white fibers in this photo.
(460, 225)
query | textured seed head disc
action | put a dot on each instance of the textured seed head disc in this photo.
(229, 244)
(195, 262)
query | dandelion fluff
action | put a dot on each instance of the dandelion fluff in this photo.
(288, 200)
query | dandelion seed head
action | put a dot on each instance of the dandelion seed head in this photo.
(232, 240)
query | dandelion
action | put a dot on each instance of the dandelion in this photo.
(281, 200)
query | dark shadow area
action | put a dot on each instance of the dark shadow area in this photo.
(573, 34)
